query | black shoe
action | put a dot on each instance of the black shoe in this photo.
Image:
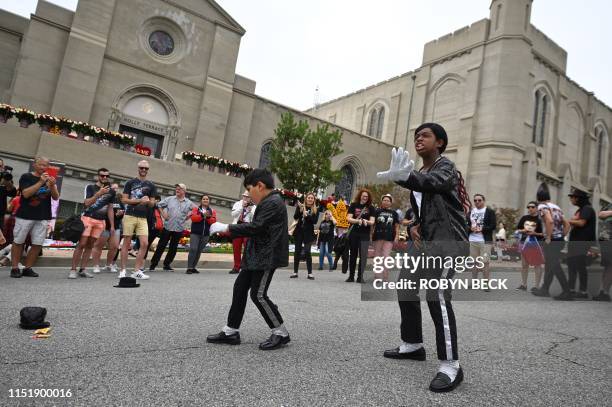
(294, 275)
(540, 293)
(28, 272)
(16, 273)
(581, 295)
(188, 271)
(274, 342)
(234, 271)
(418, 354)
(359, 280)
(564, 297)
(195, 271)
(599, 297)
(522, 287)
(442, 383)
(310, 277)
(168, 268)
(221, 337)
(350, 280)
(534, 289)
(151, 268)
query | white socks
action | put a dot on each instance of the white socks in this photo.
(406, 347)
(449, 368)
(281, 331)
(230, 331)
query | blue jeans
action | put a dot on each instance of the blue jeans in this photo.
(325, 251)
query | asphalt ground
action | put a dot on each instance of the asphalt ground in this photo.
(147, 346)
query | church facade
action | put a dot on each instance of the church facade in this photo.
(515, 119)
(164, 71)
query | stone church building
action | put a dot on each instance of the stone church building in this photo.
(515, 119)
(164, 71)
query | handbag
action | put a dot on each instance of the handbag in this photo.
(73, 228)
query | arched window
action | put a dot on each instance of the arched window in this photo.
(344, 187)
(600, 136)
(376, 122)
(264, 156)
(540, 116)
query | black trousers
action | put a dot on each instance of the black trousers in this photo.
(344, 255)
(258, 281)
(299, 242)
(166, 236)
(576, 267)
(440, 309)
(358, 249)
(552, 266)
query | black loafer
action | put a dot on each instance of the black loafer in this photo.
(28, 272)
(564, 297)
(15, 273)
(294, 275)
(233, 271)
(442, 383)
(188, 271)
(349, 280)
(195, 271)
(168, 268)
(418, 354)
(221, 337)
(274, 342)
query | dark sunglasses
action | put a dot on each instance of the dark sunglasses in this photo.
(530, 207)
(143, 168)
(103, 175)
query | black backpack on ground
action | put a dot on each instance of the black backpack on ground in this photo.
(72, 229)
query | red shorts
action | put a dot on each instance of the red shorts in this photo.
(93, 227)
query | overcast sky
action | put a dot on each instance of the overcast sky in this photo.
(291, 47)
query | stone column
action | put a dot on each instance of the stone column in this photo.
(78, 78)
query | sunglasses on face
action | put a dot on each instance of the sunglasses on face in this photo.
(103, 175)
(144, 168)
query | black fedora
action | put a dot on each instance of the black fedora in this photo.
(578, 194)
(127, 282)
(33, 318)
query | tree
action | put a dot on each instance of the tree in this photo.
(301, 158)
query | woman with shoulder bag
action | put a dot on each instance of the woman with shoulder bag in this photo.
(326, 239)
(201, 218)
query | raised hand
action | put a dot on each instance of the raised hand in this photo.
(400, 167)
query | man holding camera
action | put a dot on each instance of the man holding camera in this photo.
(242, 212)
(34, 213)
(99, 198)
(7, 189)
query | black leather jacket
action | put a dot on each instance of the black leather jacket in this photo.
(442, 218)
(268, 246)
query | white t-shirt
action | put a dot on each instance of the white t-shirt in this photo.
(418, 197)
(477, 220)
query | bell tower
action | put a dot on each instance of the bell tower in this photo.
(509, 17)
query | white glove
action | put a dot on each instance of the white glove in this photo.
(218, 227)
(400, 168)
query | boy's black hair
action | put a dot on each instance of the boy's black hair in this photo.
(102, 170)
(259, 175)
(543, 194)
(438, 131)
(480, 195)
(158, 197)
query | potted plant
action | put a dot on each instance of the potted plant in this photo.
(113, 138)
(65, 126)
(25, 117)
(126, 141)
(6, 112)
(96, 135)
(82, 129)
(188, 156)
(46, 121)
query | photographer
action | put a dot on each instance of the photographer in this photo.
(33, 215)
(7, 189)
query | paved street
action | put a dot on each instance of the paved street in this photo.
(146, 346)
